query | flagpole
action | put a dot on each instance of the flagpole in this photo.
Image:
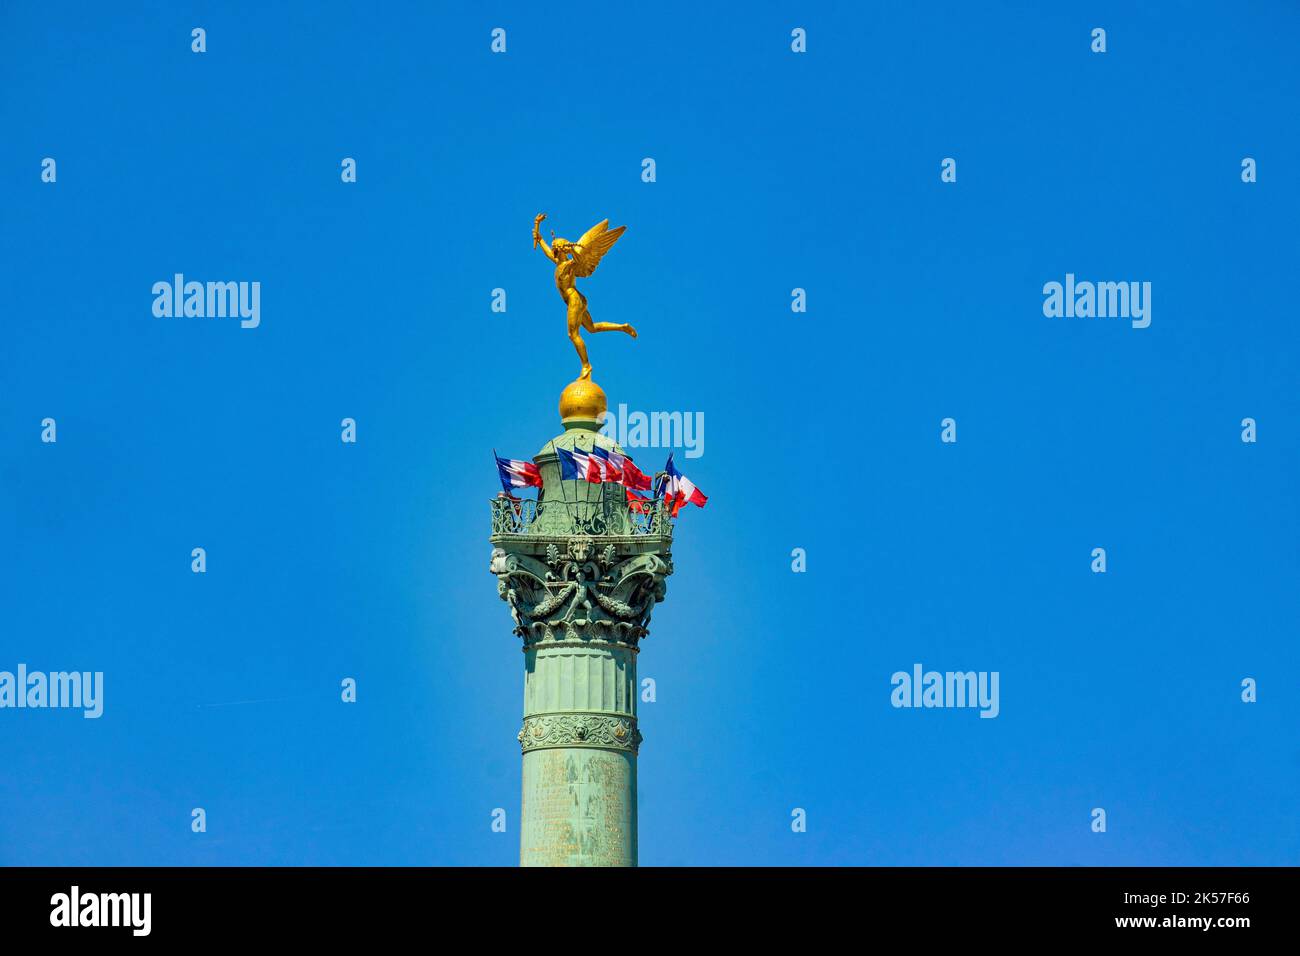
(564, 498)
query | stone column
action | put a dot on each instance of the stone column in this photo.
(581, 573)
(579, 742)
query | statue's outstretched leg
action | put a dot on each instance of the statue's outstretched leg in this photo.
(591, 326)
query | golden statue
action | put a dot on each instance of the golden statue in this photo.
(586, 253)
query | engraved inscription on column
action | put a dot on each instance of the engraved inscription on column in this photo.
(579, 808)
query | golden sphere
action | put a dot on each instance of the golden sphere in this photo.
(582, 400)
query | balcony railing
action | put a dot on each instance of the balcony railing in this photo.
(527, 516)
(512, 517)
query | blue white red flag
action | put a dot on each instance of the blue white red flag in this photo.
(578, 465)
(620, 468)
(517, 474)
(680, 490)
(601, 465)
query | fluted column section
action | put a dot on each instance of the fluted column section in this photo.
(579, 741)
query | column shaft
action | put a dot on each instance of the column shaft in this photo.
(579, 740)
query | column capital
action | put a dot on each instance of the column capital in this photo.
(581, 587)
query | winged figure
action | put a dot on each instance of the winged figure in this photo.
(575, 260)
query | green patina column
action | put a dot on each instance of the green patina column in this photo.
(581, 573)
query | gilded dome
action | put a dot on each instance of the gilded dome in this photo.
(582, 400)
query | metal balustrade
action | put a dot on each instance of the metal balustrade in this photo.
(525, 516)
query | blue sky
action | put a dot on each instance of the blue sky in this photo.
(774, 171)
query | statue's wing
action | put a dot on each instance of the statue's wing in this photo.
(595, 242)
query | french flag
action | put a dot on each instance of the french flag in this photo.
(578, 465)
(600, 465)
(517, 474)
(619, 468)
(680, 490)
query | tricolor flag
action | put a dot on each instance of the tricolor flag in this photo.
(601, 465)
(619, 468)
(679, 490)
(517, 474)
(578, 465)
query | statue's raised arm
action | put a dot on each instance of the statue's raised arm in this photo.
(538, 240)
